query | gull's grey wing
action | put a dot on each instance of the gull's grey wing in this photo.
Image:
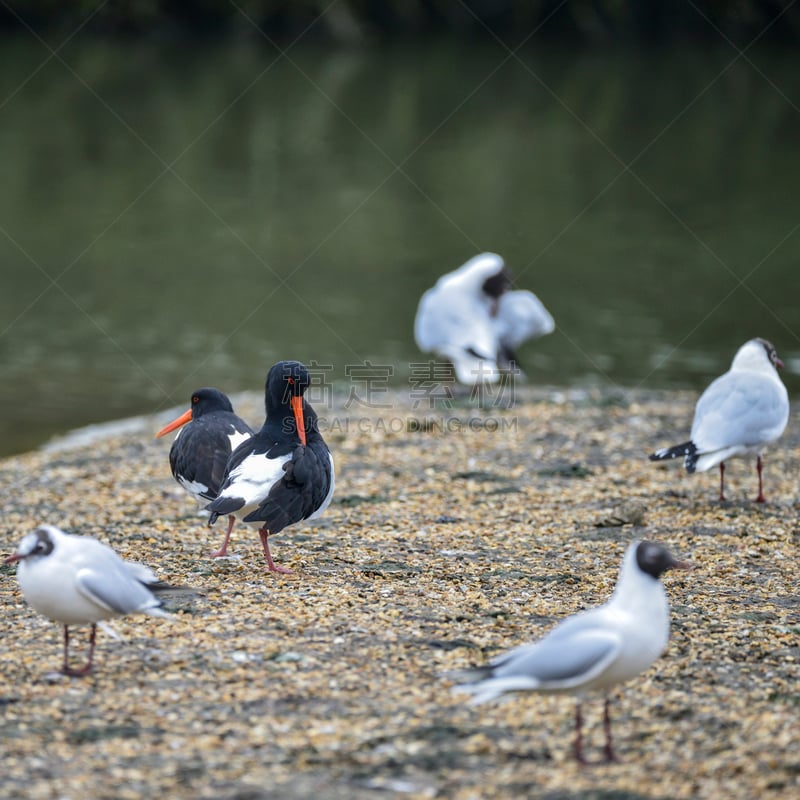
(520, 316)
(739, 409)
(568, 656)
(140, 572)
(115, 589)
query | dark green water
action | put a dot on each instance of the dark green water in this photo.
(175, 216)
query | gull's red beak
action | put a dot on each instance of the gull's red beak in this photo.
(12, 558)
(176, 423)
(297, 408)
(778, 363)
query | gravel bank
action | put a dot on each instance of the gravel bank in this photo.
(447, 541)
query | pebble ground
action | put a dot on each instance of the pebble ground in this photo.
(453, 534)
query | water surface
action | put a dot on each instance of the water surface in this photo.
(175, 216)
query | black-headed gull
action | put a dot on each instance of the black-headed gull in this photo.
(284, 473)
(595, 649)
(739, 414)
(77, 580)
(200, 451)
(473, 319)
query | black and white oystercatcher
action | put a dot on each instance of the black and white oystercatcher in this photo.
(739, 414)
(200, 451)
(284, 473)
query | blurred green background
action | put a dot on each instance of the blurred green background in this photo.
(184, 202)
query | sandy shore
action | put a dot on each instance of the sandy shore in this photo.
(452, 535)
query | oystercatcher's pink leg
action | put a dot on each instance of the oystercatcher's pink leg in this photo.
(264, 534)
(223, 551)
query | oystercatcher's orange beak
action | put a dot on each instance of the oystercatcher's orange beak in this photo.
(176, 423)
(299, 419)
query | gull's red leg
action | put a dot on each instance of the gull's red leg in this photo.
(760, 469)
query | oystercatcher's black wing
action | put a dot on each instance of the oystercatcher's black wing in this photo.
(300, 492)
(200, 454)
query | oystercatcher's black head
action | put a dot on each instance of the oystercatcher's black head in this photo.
(286, 383)
(203, 401)
(209, 399)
